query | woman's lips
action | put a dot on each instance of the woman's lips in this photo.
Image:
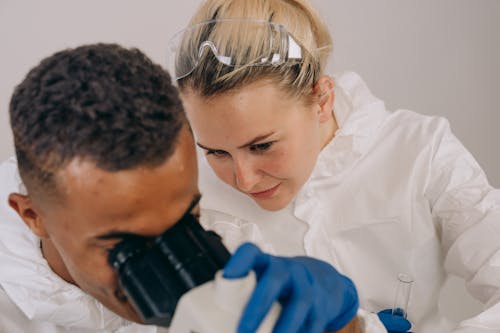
(265, 194)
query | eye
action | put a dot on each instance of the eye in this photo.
(108, 247)
(216, 152)
(261, 147)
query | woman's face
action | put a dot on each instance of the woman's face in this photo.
(261, 141)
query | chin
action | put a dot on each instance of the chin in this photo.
(126, 311)
(272, 205)
(135, 318)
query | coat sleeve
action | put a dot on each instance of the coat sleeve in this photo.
(466, 212)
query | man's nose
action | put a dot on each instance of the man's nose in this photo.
(246, 174)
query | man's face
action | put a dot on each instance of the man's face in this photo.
(97, 206)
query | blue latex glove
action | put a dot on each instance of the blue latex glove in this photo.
(394, 323)
(314, 296)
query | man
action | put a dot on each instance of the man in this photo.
(103, 150)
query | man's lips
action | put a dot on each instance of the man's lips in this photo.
(266, 193)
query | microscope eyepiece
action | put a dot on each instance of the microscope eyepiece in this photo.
(155, 273)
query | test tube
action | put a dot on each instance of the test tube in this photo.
(402, 297)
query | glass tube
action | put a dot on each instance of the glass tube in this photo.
(403, 291)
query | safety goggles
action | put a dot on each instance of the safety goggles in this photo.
(232, 42)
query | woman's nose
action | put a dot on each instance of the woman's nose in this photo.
(246, 175)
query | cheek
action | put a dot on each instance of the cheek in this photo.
(82, 260)
(222, 168)
(294, 163)
(279, 164)
(99, 281)
(90, 269)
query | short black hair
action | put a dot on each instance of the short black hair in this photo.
(100, 102)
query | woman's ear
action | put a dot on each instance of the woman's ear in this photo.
(324, 96)
(23, 205)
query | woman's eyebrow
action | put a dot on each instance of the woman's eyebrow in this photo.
(203, 147)
(251, 142)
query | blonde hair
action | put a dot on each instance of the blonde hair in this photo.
(303, 23)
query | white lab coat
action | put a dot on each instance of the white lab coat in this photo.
(393, 192)
(32, 297)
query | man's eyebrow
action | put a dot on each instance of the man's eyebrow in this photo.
(251, 142)
(116, 234)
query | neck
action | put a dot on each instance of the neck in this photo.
(328, 130)
(54, 260)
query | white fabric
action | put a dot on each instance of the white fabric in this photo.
(32, 297)
(393, 192)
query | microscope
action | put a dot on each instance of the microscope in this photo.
(175, 280)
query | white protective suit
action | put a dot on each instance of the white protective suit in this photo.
(393, 192)
(32, 297)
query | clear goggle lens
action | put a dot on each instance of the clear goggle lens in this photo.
(234, 43)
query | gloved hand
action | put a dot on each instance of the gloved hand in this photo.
(313, 295)
(394, 323)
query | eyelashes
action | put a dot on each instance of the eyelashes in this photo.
(255, 148)
(261, 147)
(216, 152)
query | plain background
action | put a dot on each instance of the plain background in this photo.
(439, 57)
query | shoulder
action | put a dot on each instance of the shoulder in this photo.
(359, 112)
(417, 125)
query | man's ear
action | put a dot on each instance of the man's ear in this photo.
(23, 205)
(324, 96)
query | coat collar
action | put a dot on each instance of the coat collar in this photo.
(359, 115)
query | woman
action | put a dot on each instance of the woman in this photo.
(319, 167)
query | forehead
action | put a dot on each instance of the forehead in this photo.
(127, 199)
(262, 92)
(235, 116)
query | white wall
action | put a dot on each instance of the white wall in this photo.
(435, 57)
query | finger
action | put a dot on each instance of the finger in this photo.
(313, 326)
(298, 302)
(242, 261)
(394, 323)
(269, 288)
(316, 320)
